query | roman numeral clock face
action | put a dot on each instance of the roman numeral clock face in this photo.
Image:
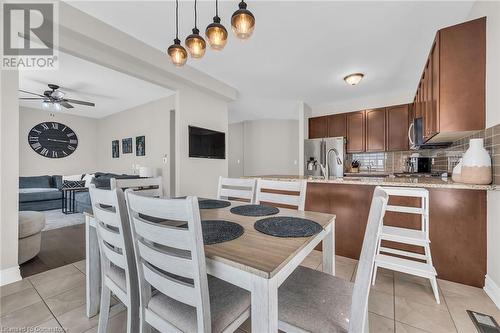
(53, 140)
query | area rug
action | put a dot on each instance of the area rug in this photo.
(55, 219)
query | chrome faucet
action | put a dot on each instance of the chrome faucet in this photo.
(326, 168)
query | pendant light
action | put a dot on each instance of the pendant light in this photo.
(243, 22)
(195, 43)
(215, 32)
(177, 53)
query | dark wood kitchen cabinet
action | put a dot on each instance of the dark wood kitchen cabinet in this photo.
(318, 127)
(356, 132)
(337, 125)
(375, 130)
(451, 95)
(398, 121)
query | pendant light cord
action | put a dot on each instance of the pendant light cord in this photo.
(176, 19)
(195, 15)
(216, 8)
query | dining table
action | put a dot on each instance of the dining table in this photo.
(255, 261)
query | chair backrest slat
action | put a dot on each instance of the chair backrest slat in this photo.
(359, 307)
(166, 254)
(114, 256)
(112, 237)
(178, 290)
(106, 215)
(152, 187)
(275, 192)
(236, 188)
(175, 264)
(175, 237)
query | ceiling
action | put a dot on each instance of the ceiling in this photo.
(301, 50)
(79, 79)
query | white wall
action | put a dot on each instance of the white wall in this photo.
(270, 147)
(305, 113)
(151, 120)
(83, 159)
(492, 11)
(9, 176)
(235, 150)
(198, 176)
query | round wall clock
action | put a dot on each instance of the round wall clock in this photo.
(53, 140)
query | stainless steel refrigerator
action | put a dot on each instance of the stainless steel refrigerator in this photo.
(324, 156)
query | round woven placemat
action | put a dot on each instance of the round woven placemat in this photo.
(212, 204)
(284, 226)
(254, 210)
(219, 231)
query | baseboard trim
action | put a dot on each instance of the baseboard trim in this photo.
(10, 275)
(492, 290)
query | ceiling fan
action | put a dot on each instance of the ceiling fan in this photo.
(54, 98)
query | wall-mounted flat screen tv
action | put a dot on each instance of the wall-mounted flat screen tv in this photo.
(206, 143)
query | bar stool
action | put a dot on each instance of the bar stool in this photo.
(423, 266)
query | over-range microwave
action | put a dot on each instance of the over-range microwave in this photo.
(416, 137)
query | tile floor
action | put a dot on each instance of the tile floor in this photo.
(54, 301)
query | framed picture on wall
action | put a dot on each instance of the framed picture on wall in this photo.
(127, 146)
(115, 148)
(140, 145)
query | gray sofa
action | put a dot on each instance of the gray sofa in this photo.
(40, 193)
(44, 192)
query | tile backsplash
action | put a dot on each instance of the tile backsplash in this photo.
(443, 160)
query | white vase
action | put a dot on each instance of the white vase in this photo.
(476, 164)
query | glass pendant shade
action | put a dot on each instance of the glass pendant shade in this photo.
(196, 45)
(177, 53)
(216, 35)
(243, 22)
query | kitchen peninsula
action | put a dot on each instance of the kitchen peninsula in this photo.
(457, 219)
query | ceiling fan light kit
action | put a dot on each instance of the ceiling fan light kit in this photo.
(242, 23)
(54, 99)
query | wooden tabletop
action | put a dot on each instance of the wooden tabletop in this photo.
(255, 252)
(261, 254)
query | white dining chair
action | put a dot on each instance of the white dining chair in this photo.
(172, 260)
(313, 301)
(289, 193)
(152, 187)
(118, 267)
(236, 188)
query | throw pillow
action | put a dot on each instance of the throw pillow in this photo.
(88, 179)
(72, 177)
(73, 183)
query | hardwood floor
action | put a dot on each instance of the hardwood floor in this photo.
(59, 247)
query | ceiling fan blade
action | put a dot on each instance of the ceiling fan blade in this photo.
(24, 91)
(66, 105)
(31, 98)
(74, 101)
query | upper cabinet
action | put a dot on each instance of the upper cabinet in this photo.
(355, 132)
(451, 95)
(375, 130)
(337, 125)
(318, 127)
(398, 119)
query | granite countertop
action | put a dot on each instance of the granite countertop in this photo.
(428, 182)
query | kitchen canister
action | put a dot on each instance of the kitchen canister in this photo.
(476, 164)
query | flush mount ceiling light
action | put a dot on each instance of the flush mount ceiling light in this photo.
(354, 79)
(195, 43)
(176, 51)
(216, 33)
(243, 22)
